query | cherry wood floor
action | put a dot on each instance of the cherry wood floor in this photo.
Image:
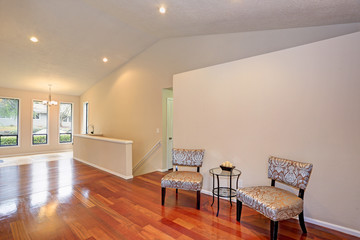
(67, 199)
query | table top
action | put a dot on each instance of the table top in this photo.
(218, 171)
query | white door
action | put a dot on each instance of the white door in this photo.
(169, 131)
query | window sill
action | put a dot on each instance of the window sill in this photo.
(2, 147)
(39, 145)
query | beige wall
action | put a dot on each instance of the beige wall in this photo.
(127, 104)
(108, 154)
(25, 122)
(301, 103)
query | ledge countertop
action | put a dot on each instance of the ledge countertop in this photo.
(101, 138)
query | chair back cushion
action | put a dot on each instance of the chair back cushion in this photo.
(188, 157)
(290, 172)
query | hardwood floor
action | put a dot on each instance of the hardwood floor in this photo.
(67, 199)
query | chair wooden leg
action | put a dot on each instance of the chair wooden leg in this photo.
(198, 200)
(163, 191)
(302, 222)
(238, 210)
(177, 192)
(273, 229)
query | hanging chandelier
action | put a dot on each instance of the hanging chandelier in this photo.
(50, 102)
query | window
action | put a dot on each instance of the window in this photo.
(65, 122)
(36, 115)
(40, 123)
(9, 122)
(85, 118)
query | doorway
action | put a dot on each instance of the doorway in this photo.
(169, 131)
(85, 118)
(167, 128)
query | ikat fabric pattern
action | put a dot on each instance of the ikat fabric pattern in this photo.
(274, 203)
(294, 173)
(188, 157)
(183, 180)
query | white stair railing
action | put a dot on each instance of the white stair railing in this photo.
(147, 155)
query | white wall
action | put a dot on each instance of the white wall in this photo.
(25, 122)
(301, 103)
(127, 104)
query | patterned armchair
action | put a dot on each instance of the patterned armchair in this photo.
(185, 180)
(275, 203)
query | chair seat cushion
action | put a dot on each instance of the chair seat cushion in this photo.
(274, 203)
(183, 180)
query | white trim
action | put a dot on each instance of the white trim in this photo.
(162, 170)
(35, 153)
(104, 138)
(169, 162)
(14, 146)
(332, 226)
(210, 193)
(83, 125)
(339, 228)
(40, 144)
(47, 126)
(104, 169)
(72, 123)
(18, 123)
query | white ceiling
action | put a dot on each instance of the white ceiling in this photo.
(74, 35)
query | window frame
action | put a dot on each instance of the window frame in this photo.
(85, 127)
(72, 124)
(47, 135)
(18, 126)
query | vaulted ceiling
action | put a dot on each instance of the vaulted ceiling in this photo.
(74, 35)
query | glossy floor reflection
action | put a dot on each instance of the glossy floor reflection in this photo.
(66, 199)
(29, 159)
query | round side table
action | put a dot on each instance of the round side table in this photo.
(226, 192)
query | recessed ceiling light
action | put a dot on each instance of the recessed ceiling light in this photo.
(105, 60)
(162, 10)
(34, 39)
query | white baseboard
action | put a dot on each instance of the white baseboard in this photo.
(210, 193)
(162, 170)
(104, 169)
(342, 229)
(206, 192)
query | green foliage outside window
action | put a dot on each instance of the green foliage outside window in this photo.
(39, 139)
(9, 109)
(8, 140)
(64, 138)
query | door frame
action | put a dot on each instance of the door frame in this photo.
(168, 119)
(166, 93)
